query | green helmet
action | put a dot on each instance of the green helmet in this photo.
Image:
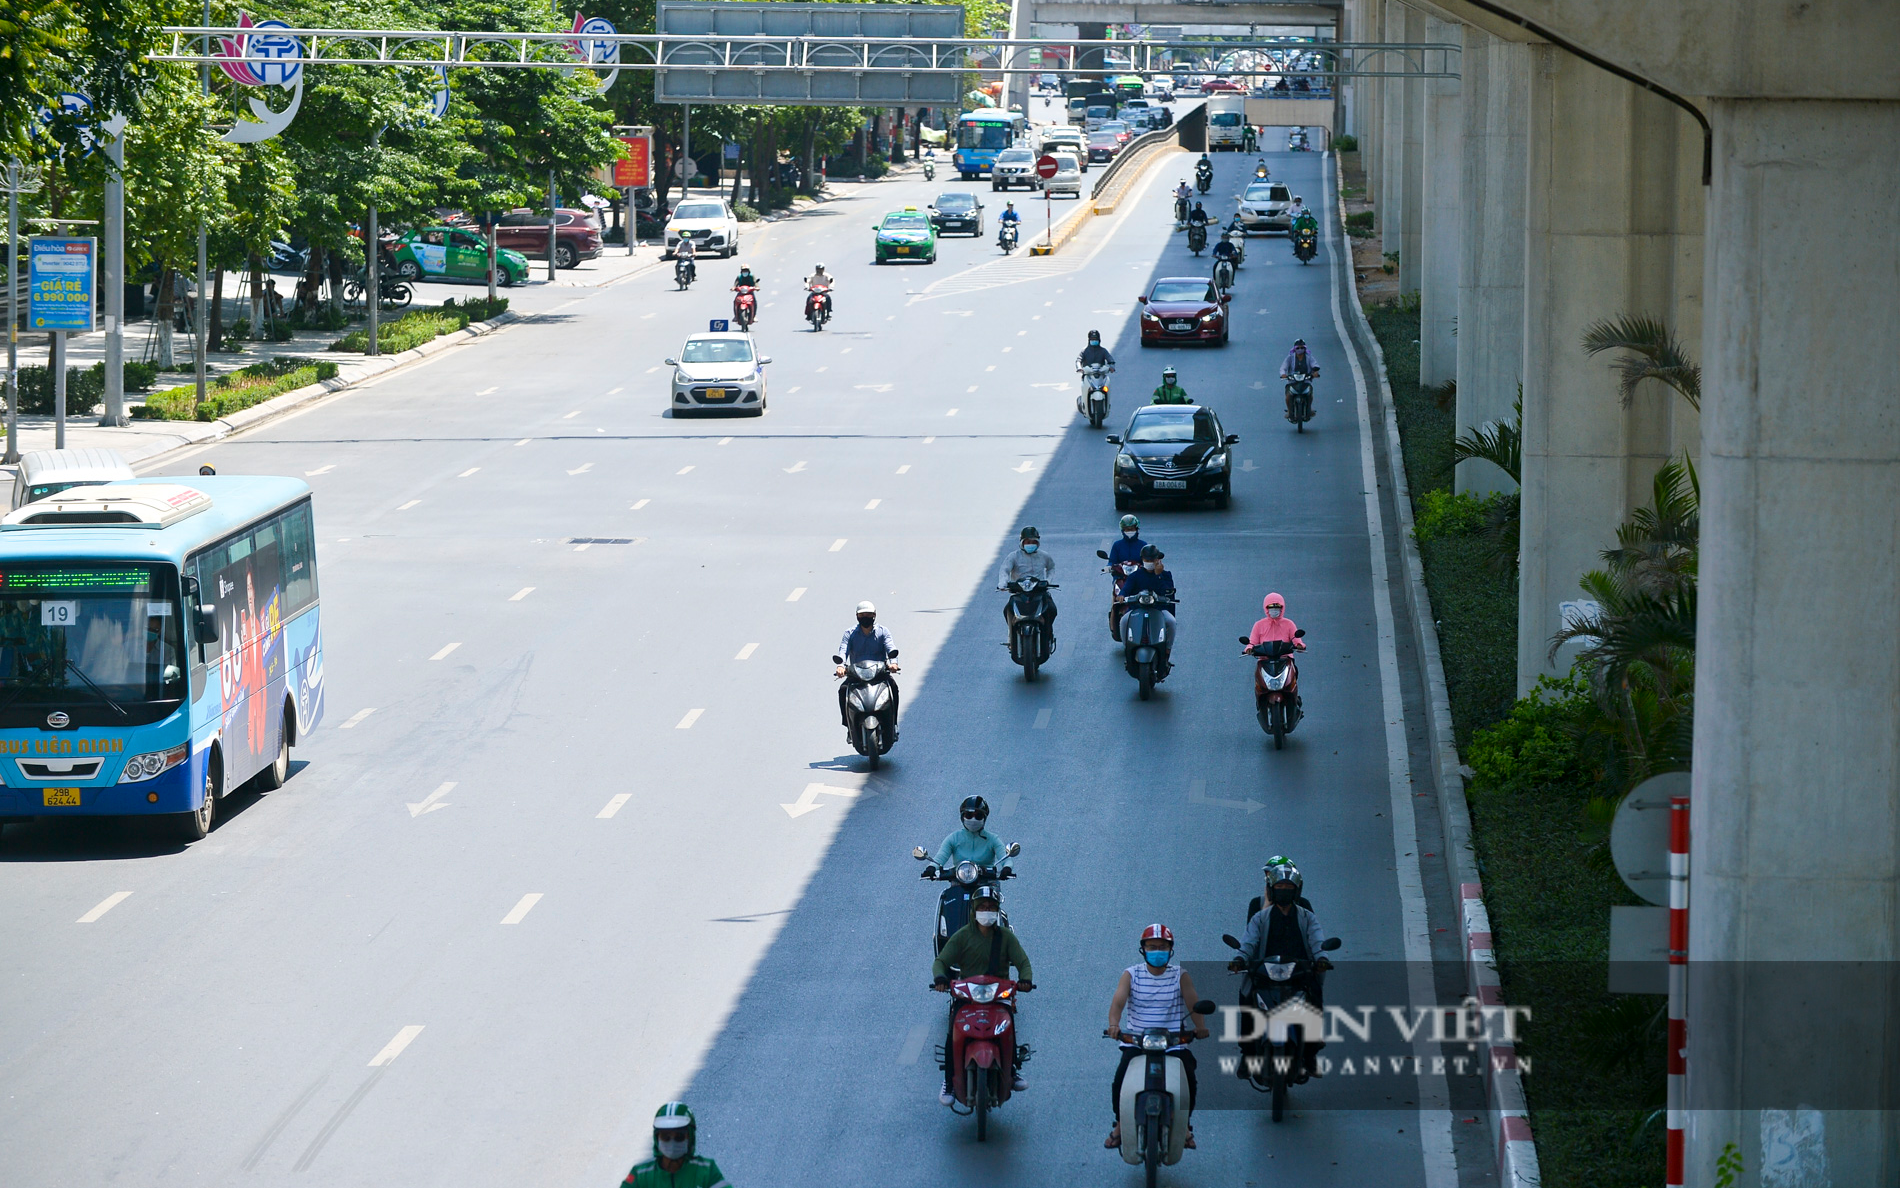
(1130, 522)
(675, 1115)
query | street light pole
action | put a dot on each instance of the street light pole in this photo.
(15, 178)
(198, 323)
(373, 291)
(551, 230)
(114, 252)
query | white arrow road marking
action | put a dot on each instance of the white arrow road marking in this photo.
(446, 649)
(432, 801)
(808, 799)
(1247, 464)
(1027, 466)
(105, 905)
(584, 468)
(872, 387)
(794, 468)
(1197, 794)
(613, 806)
(692, 715)
(745, 653)
(319, 470)
(519, 912)
(355, 718)
(394, 1047)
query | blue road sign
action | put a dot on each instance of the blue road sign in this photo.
(60, 273)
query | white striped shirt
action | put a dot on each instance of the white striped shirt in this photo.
(1154, 1000)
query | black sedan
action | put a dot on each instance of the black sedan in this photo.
(1173, 451)
(957, 211)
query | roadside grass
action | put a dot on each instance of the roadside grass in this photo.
(1597, 1059)
(418, 326)
(239, 390)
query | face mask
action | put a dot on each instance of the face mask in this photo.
(1154, 567)
(1273, 612)
(986, 919)
(1130, 534)
(867, 624)
(672, 1148)
(1030, 547)
(1157, 958)
(1284, 895)
(973, 824)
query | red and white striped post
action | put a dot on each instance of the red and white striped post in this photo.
(1678, 985)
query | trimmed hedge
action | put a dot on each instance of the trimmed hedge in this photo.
(85, 387)
(418, 326)
(239, 390)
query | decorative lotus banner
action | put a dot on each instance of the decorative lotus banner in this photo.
(262, 57)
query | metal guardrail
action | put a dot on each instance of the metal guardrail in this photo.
(1135, 148)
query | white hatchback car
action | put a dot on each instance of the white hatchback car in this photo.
(709, 222)
(1068, 178)
(719, 370)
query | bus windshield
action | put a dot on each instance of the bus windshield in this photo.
(94, 631)
(984, 134)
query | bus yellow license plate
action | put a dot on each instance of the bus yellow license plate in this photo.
(59, 797)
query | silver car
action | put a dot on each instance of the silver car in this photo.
(1263, 207)
(1013, 167)
(719, 370)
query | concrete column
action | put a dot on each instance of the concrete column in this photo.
(1016, 86)
(1440, 218)
(1369, 110)
(1496, 86)
(1604, 227)
(1412, 189)
(1391, 199)
(1795, 818)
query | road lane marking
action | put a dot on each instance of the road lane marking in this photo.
(838, 544)
(1027, 466)
(1007, 802)
(794, 468)
(518, 595)
(951, 413)
(725, 441)
(639, 505)
(446, 650)
(890, 317)
(319, 470)
(523, 906)
(613, 806)
(432, 801)
(914, 1044)
(582, 548)
(524, 441)
(1247, 464)
(105, 905)
(1042, 718)
(879, 388)
(488, 391)
(651, 370)
(872, 506)
(572, 415)
(745, 653)
(616, 391)
(1007, 350)
(904, 469)
(808, 799)
(394, 1047)
(1020, 333)
(930, 439)
(583, 469)
(408, 505)
(692, 715)
(1197, 794)
(969, 389)
(791, 390)
(683, 470)
(845, 351)
(822, 369)
(795, 595)
(356, 718)
(991, 367)
(469, 471)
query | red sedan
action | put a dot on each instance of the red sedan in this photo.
(1219, 84)
(1183, 309)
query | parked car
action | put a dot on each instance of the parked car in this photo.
(1068, 178)
(1013, 167)
(957, 210)
(1173, 451)
(576, 235)
(710, 223)
(1183, 309)
(451, 253)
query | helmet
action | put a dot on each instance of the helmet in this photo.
(1272, 600)
(1095, 336)
(1277, 860)
(1030, 533)
(1150, 553)
(1130, 522)
(987, 891)
(1156, 932)
(865, 608)
(674, 1116)
(1299, 342)
(975, 806)
(819, 267)
(1167, 374)
(1284, 872)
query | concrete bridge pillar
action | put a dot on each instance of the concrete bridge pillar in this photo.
(1603, 230)
(1391, 197)
(1496, 99)
(1440, 218)
(1412, 189)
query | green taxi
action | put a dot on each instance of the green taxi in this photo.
(454, 253)
(906, 235)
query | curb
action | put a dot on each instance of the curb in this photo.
(1508, 1115)
(1094, 205)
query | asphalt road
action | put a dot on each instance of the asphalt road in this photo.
(536, 873)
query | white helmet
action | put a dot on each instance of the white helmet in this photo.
(865, 608)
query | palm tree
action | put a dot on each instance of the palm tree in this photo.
(1500, 443)
(1654, 352)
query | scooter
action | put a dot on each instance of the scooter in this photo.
(1117, 574)
(1030, 644)
(1180, 210)
(983, 1053)
(1203, 180)
(818, 306)
(953, 906)
(684, 271)
(1276, 687)
(1271, 1065)
(869, 695)
(1006, 238)
(1154, 1105)
(1260, 168)
(1305, 244)
(745, 305)
(1223, 274)
(1092, 402)
(1197, 238)
(1237, 235)
(1147, 643)
(1299, 400)
(930, 169)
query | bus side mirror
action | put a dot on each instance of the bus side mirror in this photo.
(204, 624)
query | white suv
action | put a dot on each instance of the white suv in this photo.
(1067, 140)
(709, 222)
(1013, 167)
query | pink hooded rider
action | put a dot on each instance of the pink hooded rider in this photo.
(1276, 626)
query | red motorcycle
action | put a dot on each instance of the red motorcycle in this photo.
(982, 1045)
(1276, 686)
(745, 305)
(818, 306)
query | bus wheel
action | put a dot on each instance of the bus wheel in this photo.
(273, 777)
(193, 826)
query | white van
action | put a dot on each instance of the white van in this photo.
(48, 472)
(1226, 122)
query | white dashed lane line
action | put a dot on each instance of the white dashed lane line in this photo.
(795, 595)
(613, 806)
(838, 544)
(872, 506)
(408, 505)
(745, 653)
(394, 1047)
(523, 906)
(518, 595)
(904, 469)
(683, 470)
(469, 471)
(356, 719)
(692, 715)
(443, 654)
(105, 905)
(639, 505)
(319, 470)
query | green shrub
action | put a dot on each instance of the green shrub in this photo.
(1535, 746)
(745, 213)
(1360, 224)
(239, 390)
(478, 309)
(409, 331)
(1441, 513)
(1346, 144)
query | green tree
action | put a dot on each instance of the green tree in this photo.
(94, 47)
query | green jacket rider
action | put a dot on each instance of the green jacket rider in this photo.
(1170, 392)
(676, 1162)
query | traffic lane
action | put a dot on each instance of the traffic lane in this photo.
(1097, 800)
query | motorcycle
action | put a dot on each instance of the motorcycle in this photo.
(1030, 644)
(818, 306)
(1305, 243)
(983, 1053)
(1092, 402)
(1006, 238)
(930, 169)
(1276, 687)
(1180, 209)
(869, 695)
(953, 906)
(1223, 274)
(1117, 573)
(684, 271)
(1268, 1065)
(1147, 643)
(1151, 1101)
(745, 305)
(1203, 180)
(1299, 400)
(393, 292)
(1260, 169)
(1237, 235)
(1197, 238)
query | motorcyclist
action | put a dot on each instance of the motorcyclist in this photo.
(1197, 217)
(1250, 139)
(866, 641)
(821, 282)
(1155, 993)
(676, 1162)
(972, 842)
(1287, 931)
(1276, 626)
(1095, 354)
(689, 253)
(1150, 577)
(985, 947)
(1299, 362)
(1124, 554)
(1183, 195)
(1030, 561)
(1170, 392)
(1300, 216)
(1224, 249)
(1260, 167)
(1009, 218)
(745, 277)
(1203, 170)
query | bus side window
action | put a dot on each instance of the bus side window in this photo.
(267, 564)
(299, 545)
(205, 567)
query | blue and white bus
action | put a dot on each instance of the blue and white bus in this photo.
(159, 646)
(983, 134)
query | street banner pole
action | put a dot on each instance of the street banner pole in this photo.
(114, 279)
(62, 276)
(373, 290)
(15, 176)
